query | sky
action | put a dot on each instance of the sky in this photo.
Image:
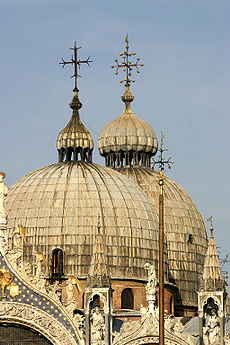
(183, 88)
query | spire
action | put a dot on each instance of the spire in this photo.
(212, 279)
(74, 142)
(98, 273)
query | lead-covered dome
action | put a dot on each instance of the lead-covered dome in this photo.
(127, 138)
(59, 206)
(184, 229)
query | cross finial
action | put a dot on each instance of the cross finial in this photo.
(127, 64)
(76, 62)
(211, 225)
(161, 162)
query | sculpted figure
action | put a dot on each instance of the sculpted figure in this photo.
(38, 265)
(97, 325)
(212, 329)
(151, 285)
(178, 328)
(78, 320)
(69, 301)
(6, 279)
(55, 291)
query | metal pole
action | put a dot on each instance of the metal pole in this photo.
(161, 260)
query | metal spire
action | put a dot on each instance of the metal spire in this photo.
(161, 162)
(76, 62)
(127, 64)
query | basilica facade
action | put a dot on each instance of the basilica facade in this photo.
(80, 245)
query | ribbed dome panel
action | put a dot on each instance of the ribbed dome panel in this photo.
(184, 228)
(59, 206)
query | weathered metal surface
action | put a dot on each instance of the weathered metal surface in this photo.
(59, 205)
(184, 229)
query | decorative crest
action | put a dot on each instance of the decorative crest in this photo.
(161, 162)
(76, 62)
(127, 64)
(211, 225)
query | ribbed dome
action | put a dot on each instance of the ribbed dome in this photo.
(59, 206)
(127, 135)
(185, 232)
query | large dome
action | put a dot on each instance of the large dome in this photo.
(185, 232)
(59, 206)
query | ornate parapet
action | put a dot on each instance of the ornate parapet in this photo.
(211, 284)
(146, 331)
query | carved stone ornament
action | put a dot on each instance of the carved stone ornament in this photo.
(227, 339)
(38, 320)
(146, 331)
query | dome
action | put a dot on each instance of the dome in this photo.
(59, 206)
(184, 228)
(127, 138)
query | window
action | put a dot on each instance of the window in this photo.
(95, 302)
(57, 264)
(127, 299)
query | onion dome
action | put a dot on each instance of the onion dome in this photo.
(74, 142)
(184, 229)
(127, 140)
(59, 204)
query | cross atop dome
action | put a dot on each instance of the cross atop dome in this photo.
(76, 63)
(74, 142)
(127, 65)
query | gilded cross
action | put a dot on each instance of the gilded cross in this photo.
(76, 62)
(127, 64)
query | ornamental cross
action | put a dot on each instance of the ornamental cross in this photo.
(127, 64)
(161, 162)
(76, 62)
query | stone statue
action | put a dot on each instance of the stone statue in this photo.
(178, 328)
(78, 320)
(212, 328)
(3, 194)
(69, 301)
(55, 291)
(151, 285)
(38, 265)
(97, 326)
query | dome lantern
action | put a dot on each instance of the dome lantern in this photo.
(127, 141)
(74, 142)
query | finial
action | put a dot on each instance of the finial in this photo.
(77, 64)
(211, 225)
(161, 162)
(127, 64)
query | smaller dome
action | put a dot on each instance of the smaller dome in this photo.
(127, 140)
(74, 142)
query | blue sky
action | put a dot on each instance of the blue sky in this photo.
(183, 88)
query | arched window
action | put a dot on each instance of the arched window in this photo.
(95, 302)
(57, 264)
(127, 299)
